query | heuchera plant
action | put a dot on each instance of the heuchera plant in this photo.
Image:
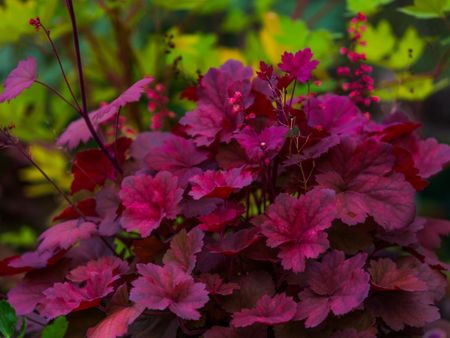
(262, 212)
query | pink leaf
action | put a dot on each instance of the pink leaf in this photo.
(216, 286)
(269, 310)
(86, 272)
(78, 131)
(177, 156)
(148, 200)
(401, 308)
(66, 234)
(433, 230)
(20, 78)
(223, 95)
(183, 249)
(116, 323)
(431, 157)
(361, 174)
(132, 94)
(107, 204)
(222, 216)
(296, 226)
(264, 145)
(145, 142)
(336, 114)
(336, 284)
(29, 291)
(87, 285)
(219, 183)
(299, 65)
(387, 276)
(234, 242)
(169, 287)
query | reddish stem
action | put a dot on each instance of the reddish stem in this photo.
(85, 114)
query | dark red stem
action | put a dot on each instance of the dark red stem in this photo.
(85, 114)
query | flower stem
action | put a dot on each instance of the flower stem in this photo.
(85, 114)
(54, 91)
(12, 141)
(55, 51)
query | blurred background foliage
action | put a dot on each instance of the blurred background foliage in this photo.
(176, 40)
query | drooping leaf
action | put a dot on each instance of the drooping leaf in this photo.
(427, 9)
(366, 7)
(57, 329)
(20, 78)
(8, 319)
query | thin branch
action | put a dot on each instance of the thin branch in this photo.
(55, 52)
(54, 91)
(85, 114)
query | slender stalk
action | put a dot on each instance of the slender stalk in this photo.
(85, 114)
(54, 91)
(116, 132)
(43, 173)
(55, 51)
(109, 246)
(35, 321)
(292, 94)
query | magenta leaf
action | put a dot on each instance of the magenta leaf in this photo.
(264, 145)
(148, 200)
(433, 230)
(269, 310)
(116, 323)
(184, 247)
(219, 183)
(178, 156)
(223, 96)
(160, 288)
(387, 276)
(234, 242)
(29, 291)
(216, 286)
(336, 284)
(132, 94)
(401, 308)
(20, 78)
(299, 65)
(78, 131)
(86, 286)
(431, 157)
(66, 234)
(296, 226)
(88, 271)
(361, 174)
(107, 204)
(223, 215)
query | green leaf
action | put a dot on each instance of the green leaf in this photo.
(427, 9)
(25, 237)
(57, 329)
(380, 41)
(408, 51)
(406, 87)
(14, 16)
(23, 328)
(176, 5)
(8, 319)
(366, 6)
